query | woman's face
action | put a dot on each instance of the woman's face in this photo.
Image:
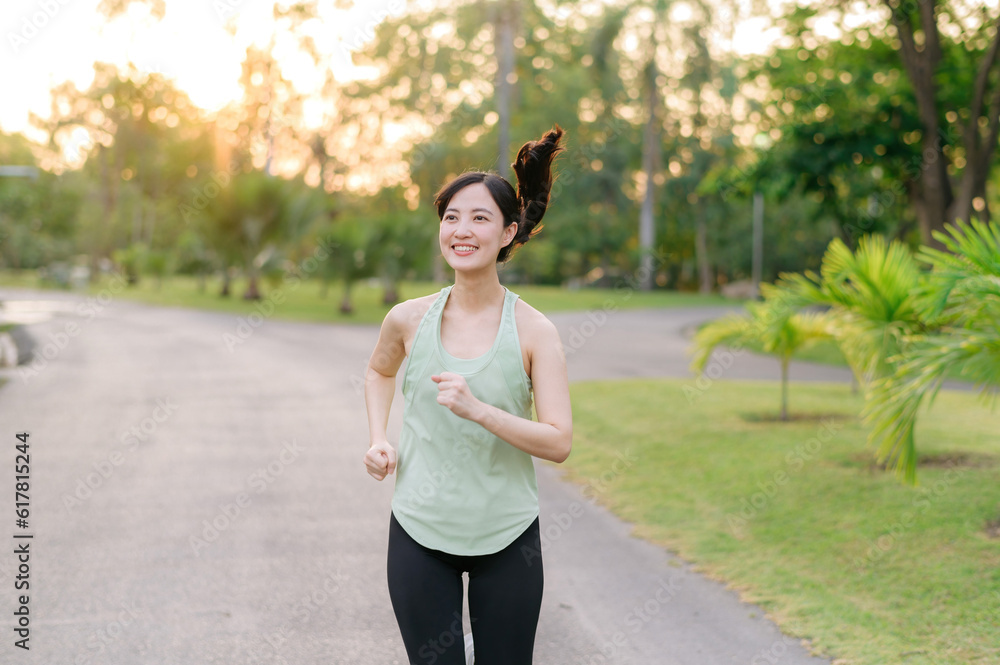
(472, 230)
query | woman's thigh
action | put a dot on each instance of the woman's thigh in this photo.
(426, 594)
(505, 598)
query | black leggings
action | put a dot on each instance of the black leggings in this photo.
(505, 596)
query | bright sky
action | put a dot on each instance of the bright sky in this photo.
(46, 42)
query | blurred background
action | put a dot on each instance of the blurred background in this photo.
(278, 160)
(211, 147)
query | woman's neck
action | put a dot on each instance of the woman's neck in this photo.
(475, 292)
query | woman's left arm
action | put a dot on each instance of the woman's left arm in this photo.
(551, 437)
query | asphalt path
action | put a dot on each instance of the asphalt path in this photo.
(197, 496)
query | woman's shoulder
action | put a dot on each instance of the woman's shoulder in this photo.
(407, 315)
(531, 322)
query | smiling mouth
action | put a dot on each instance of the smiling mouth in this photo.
(464, 248)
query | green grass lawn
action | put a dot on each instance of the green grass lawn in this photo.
(797, 517)
(305, 302)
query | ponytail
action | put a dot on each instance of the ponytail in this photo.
(533, 167)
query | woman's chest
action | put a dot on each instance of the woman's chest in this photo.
(465, 336)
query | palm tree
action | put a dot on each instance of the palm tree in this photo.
(962, 296)
(255, 211)
(351, 255)
(872, 295)
(401, 240)
(775, 325)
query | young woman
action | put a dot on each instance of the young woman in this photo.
(465, 498)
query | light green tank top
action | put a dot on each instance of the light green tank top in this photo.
(460, 489)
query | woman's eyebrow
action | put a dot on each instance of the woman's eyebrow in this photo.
(486, 210)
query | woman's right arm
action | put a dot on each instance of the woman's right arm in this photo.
(380, 386)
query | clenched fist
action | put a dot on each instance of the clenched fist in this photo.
(454, 393)
(380, 460)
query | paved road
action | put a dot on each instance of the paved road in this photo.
(197, 496)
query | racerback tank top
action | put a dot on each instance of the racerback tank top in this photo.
(460, 489)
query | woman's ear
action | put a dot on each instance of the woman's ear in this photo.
(508, 234)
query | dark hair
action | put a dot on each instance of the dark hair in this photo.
(533, 168)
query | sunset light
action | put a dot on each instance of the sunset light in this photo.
(197, 45)
(305, 303)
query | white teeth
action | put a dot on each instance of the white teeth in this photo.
(464, 248)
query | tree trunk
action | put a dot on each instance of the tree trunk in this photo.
(390, 295)
(253, 291)
(137, 221)
(440, 276)
(345, 304)
(921, 63)
(705, 281)
(784, 387)
(109, 181)
(503, 32)
(974, 177)
(226, 283)
(979, 149)
(937, 190)
(650, 151)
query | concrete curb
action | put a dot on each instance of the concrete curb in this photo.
(8, 350)
(17, 346)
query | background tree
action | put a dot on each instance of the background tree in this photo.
(256, 210)
(701, 142)
(880, 118)
(141, 140)
(351, 250)
(402, 240)
(847, 131)
(660, 119)
(38, 216)
(931, 58)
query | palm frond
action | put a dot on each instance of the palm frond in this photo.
(893, 401)
(975, 245)
(962, 296)
(775, 325)
(965, 282)
(802, 289)
(730, 330)
(798, 331)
